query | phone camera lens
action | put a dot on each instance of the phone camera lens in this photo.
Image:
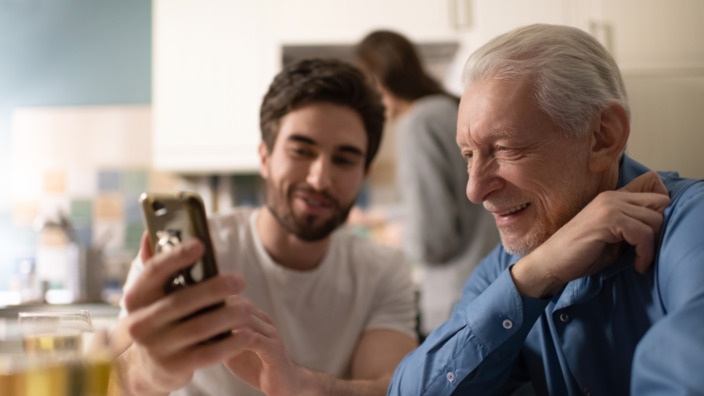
(159, 208)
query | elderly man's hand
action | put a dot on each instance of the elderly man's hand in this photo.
(596, 236)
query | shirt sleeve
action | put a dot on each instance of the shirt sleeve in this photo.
(395, 307)
(669, 358)
(476, 349)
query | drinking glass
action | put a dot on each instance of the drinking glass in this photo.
(64, 354)
(55, 332)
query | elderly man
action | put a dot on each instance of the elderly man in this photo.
(597, 286)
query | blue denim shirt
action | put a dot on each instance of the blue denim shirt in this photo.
(611, 333)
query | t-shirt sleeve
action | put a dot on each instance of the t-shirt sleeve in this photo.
(394, 302)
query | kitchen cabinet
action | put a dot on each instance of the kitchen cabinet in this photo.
(667, 120)
(639, 33)
(646, 34)
(659, 46)
(347, 21)
(490, 18)
(213, 59)
(212, 63)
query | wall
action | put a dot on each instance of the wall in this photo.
(67, 53)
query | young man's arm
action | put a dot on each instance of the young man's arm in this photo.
(375, 359)
(267, 366)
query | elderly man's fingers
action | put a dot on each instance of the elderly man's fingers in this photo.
(651, 201)
(649, 182)
(640, 228)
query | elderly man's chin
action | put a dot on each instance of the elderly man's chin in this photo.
(521, 246)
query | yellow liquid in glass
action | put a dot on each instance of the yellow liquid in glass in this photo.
(54, 343)
(58, 379)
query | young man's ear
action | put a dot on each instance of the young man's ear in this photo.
(610, 130)
(263, 158)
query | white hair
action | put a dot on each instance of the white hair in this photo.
(574, 77)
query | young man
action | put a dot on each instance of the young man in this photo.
(596, 287)
(323, 312)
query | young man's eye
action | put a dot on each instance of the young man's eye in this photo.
(345, 161)
(301, 152)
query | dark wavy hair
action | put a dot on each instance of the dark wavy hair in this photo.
(322, 80)
(393, 60)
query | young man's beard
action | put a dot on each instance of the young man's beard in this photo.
(305, 229)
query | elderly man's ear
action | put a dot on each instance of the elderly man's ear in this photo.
(610, 130)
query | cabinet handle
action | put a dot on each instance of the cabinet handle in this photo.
(460, 14)
(604, 32)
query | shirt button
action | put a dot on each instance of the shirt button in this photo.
(564, 317)
(507, 324)
(450, 376)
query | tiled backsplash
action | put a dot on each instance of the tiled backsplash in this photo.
(101, 206)
(87, 165)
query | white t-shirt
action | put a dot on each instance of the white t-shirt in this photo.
(320, 314)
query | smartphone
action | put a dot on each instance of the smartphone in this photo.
(171, 219)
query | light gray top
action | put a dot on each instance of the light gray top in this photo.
(443, 230)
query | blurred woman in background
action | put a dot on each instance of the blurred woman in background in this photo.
(442, 231)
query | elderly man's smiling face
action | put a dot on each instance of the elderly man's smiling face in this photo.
(521, 166)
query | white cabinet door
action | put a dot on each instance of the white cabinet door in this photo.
(667, 120)
(212, 62)
(659, 46)
(491, 18)
(494, 17)
(646, 34)
(214, 59)
(347, 21)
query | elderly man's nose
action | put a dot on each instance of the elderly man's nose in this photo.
(482, 181)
